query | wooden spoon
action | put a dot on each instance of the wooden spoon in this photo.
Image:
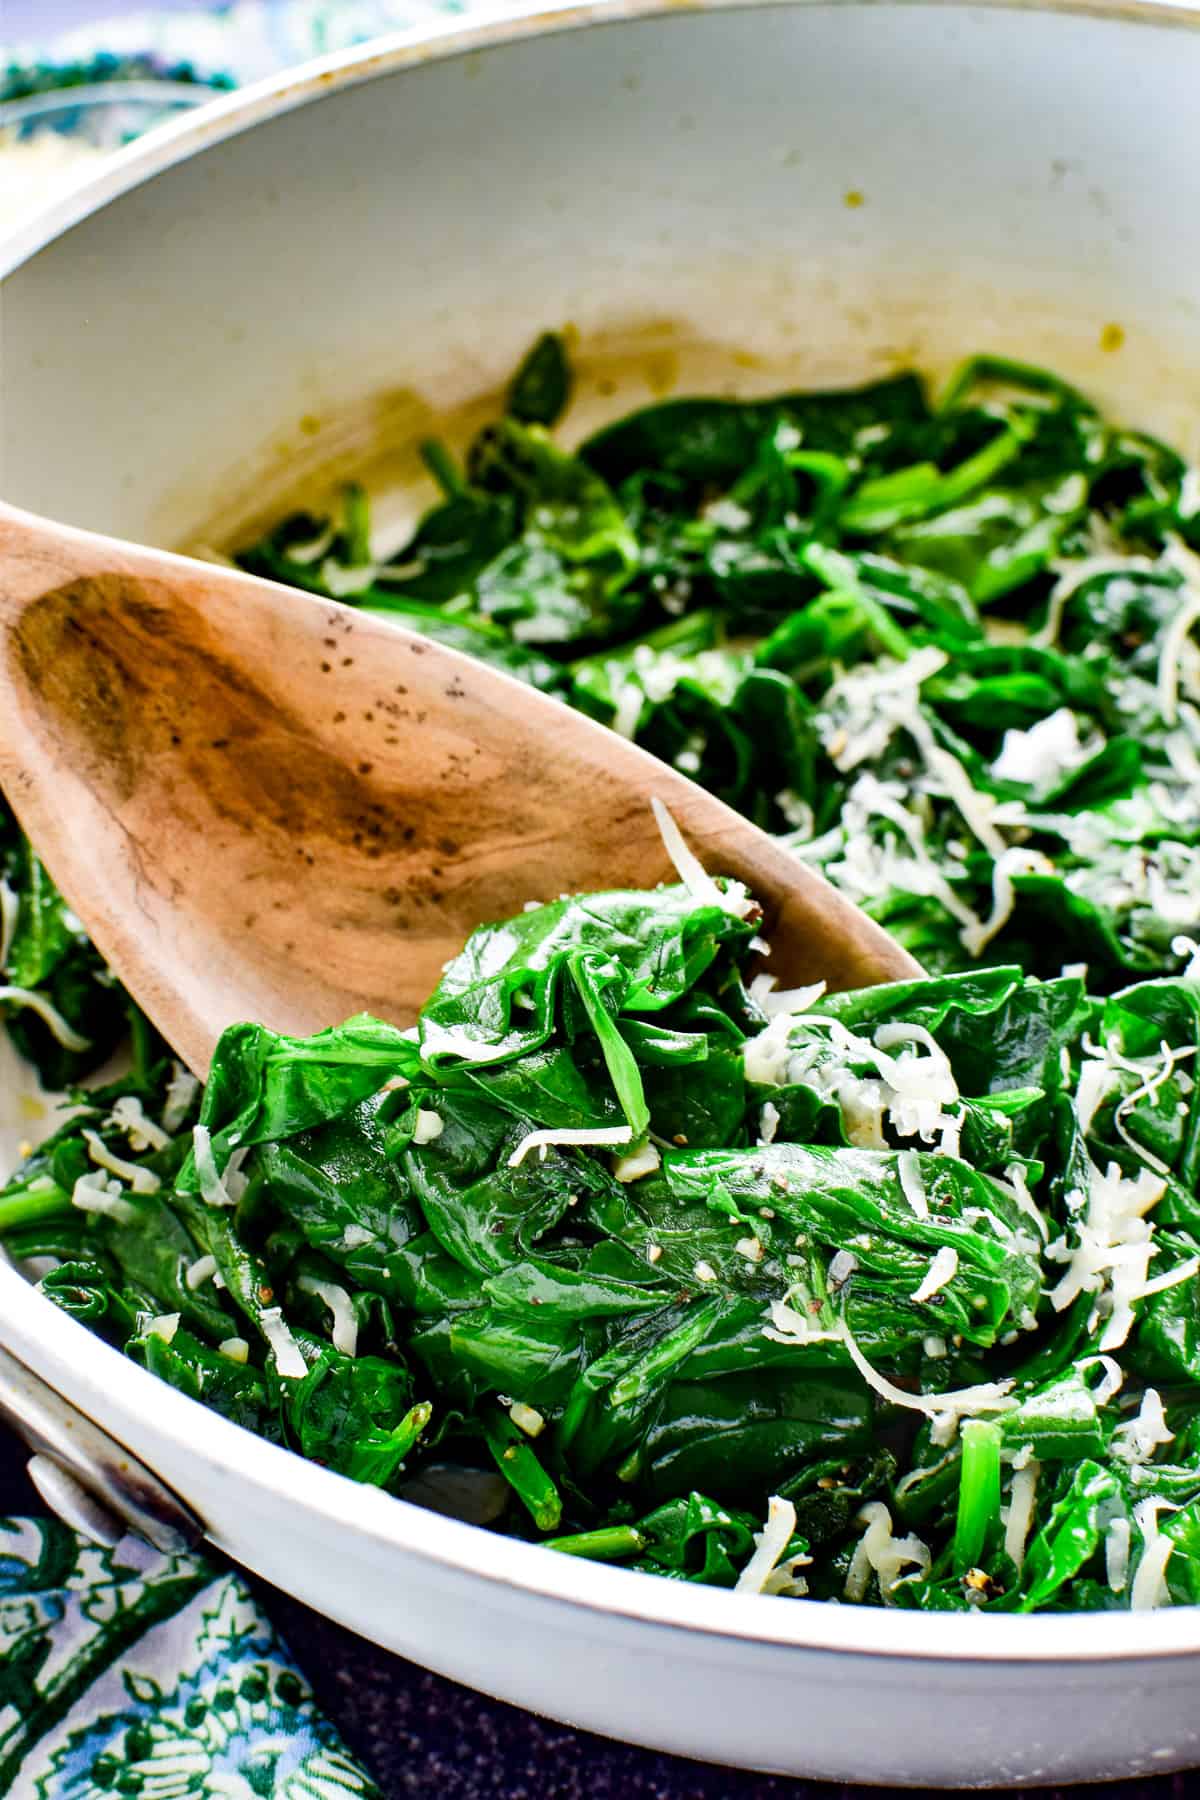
(269, 806)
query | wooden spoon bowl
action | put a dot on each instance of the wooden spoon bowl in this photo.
(265, 805)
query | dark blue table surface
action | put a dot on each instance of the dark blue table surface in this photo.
(425, 1737)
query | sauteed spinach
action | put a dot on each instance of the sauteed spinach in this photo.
(637, 1248)
(655, 1245)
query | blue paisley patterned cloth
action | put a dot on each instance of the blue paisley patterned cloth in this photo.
(127, 1672)
(246, 39)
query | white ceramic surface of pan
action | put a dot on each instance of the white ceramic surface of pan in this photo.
(250, 299)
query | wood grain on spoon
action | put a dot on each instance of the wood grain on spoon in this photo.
(264, 805)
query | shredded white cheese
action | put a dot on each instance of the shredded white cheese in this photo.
(1019, 1514)
(792, 1001)
(944, 1409)
(912, 1185)
(630, 698)
(863, 868)
(344, 1329)
(1150, 1582)
(1096, 1081)
(1158, 1284)
(96, 1194)
(789, 1326)
(1137, 1439)
(770, 1544)
(726, 514)
(1016, 1186)
(164, 1326)
(976, 938)
(1116, 1554)
(289, 1362)
(841, 1267)
(942, 1269)
(66, 1035)
(977, 809)
(1040, 757)
(342, 579)
(202, 1270)
(1189, 493)
(1149, 1089)
(797, 812)
(235, 1348)
(1071, 576)
(886, 1555)
(1113, 1254)
(142, 1181)
(691, 871)
(214, 1190)
(541, 1141)
(181, 1093)
(10, 907)
(129, 1116)
(1111, 1381)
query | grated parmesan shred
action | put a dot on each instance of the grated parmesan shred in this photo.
(942, 1269)
(790, 1326)
(1016, 1186)
(1116, 1554)
(880, 1552)
(142, 1181)
(1149, 1589)
(10, 908)
(912, 1184)
(770, 1544)
(289, 1362)
(1136, 1440)
(1110, 1383)
(129, 1115)
(215, 1189)
(100, 1194)
(1041, 756)
(692, 873)
(181, 1094)
(344, 1329)
(51, 1018)
(1019, 1514)
(599, 1136)
(1009, 863)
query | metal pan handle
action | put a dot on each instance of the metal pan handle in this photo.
(92, 1482)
